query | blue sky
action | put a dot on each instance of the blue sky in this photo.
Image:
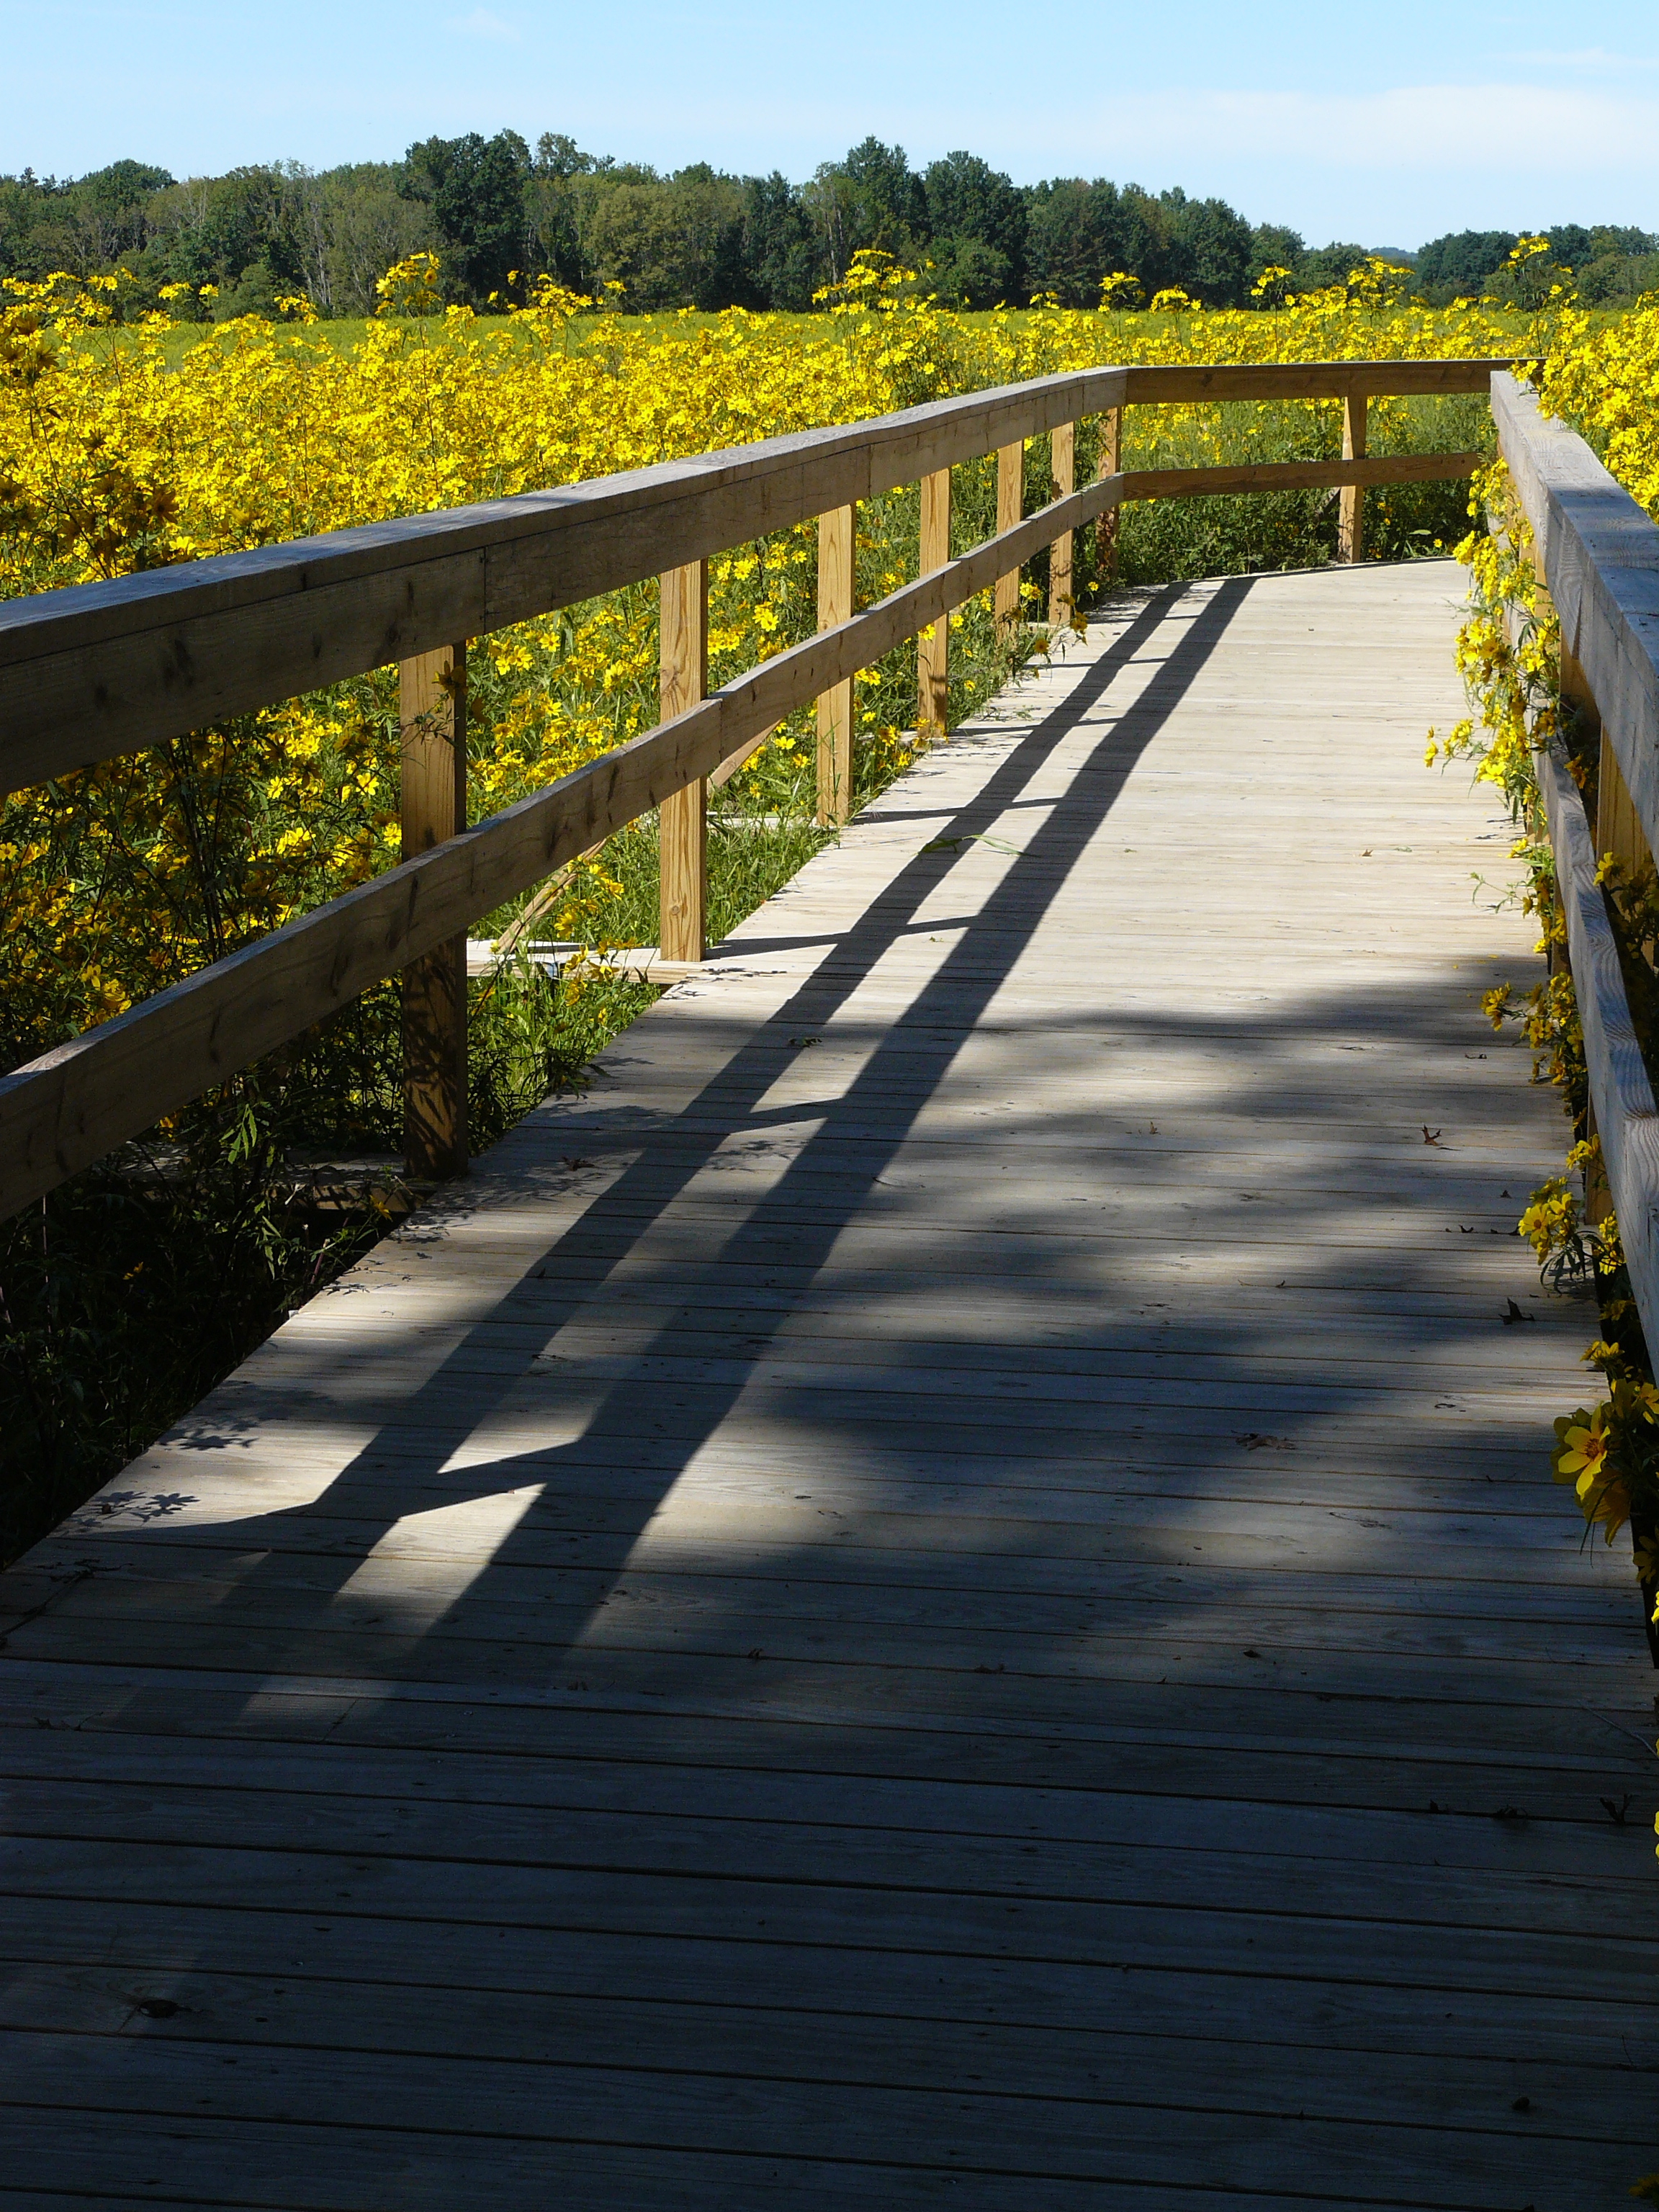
(1380, 126)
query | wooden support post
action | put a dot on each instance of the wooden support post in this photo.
(1618, 831)
(836, 548)
(1350, 507)
(432, 716)
(933, 643)
(1011, 499)
(1109, 462)
(1063, 445)
(683, 818)
(1618, 827)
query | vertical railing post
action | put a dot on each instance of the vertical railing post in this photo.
(683, 818)
(1063, 468)
(933, 643)
(1351, 507)
(431, 720)
(1010, 501)
(835, 567)
(1109, 462)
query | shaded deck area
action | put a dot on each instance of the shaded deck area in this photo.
(945, 1589)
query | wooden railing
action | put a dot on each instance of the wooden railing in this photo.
(1597, 557)
(97, 670)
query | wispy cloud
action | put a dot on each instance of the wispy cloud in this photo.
(1588, 58)
(482, 23)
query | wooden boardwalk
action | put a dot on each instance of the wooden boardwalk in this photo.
(945, 1590)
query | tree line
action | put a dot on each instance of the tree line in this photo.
(494, 208)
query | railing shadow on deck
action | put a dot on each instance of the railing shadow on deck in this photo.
(409, 1467)
(636, 1199)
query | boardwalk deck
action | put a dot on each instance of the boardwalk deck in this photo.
(943, 1592)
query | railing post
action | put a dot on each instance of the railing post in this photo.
(1063, 467)
(835, 551)
(1351, 507)
(1011, 500)
(683, 818)
(933, 643)
(1108, 465)
(432, 719)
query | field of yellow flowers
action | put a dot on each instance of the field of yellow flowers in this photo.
(125, 446)
(118, 452)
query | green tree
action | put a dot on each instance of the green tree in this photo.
(783, 260)
(977, 220)
(1460, 263)
(475, 188)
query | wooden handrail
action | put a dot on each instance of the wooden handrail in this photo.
(1597, 555)
(163, 649)
(1600, 555)
(94, 670)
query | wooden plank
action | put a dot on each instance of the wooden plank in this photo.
(1351, 508)
(682, 817)
(1626, 1118)
(1600, 557)
(1176, 384)
(432, 724)
(837, 563)
(1617, 830)
(1108, 462)
(1011, 494)
(932, 643)
(1063, 447)
(1295, 475)
(747, 752)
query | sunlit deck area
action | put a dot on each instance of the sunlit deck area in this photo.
(943, 1588)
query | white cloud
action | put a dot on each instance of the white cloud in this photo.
(483, 24)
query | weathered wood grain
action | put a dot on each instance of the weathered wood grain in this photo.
(432, 726)
(1600, 557)
(682, 817)
(837, 543)
(1108, 461)
(933, 643)
(1626, 1118)
(1011, 494)
(1063, 448)
(1351, 507)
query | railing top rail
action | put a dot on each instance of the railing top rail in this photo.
(77, 614)
(80, 614)
(1600, 552)
(92, 670)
